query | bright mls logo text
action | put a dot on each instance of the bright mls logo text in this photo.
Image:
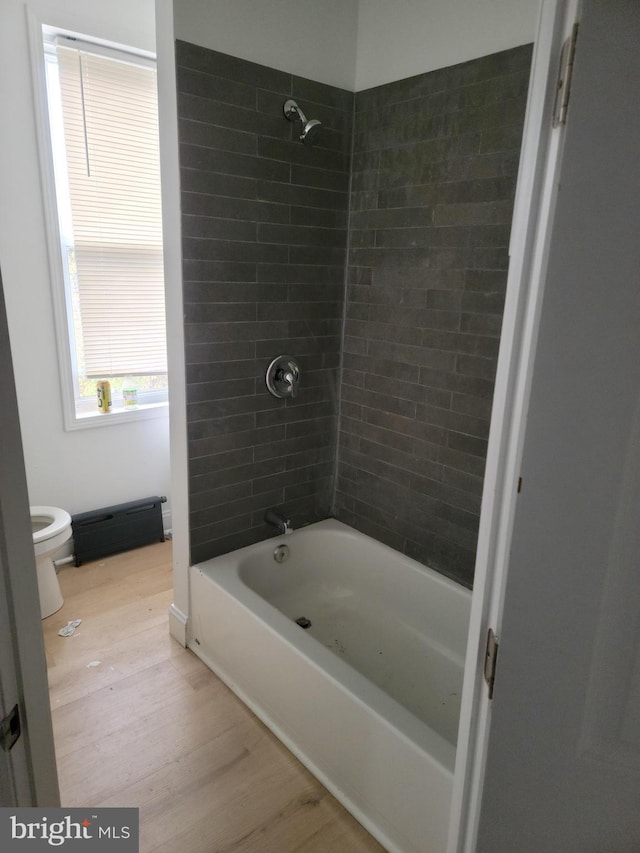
(41, 829)
(57, 832)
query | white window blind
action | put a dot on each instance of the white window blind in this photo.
(110, 121)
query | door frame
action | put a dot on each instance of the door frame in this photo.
(540, 159)
(533, 214)
(31, 763)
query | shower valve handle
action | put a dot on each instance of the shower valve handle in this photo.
(283, 376)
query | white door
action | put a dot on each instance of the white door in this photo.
(563, 760)
(27, 770)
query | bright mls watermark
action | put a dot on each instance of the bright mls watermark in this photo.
(32, 829)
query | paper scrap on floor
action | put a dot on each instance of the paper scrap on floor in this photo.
(69, 628)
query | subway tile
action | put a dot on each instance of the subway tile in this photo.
(395, 387)
(456, 382)
(322, 93)
(301, 235)
(201, 523)
(225, 207)
(220, 292)
(412, 427)
(240, 474)
(490, 258)
(234, 441)
(195, 82)
(233, 68)
(302, 155)
(320, 255)
(295, 476)
(211, 249)
(321, 176)
(202, 504)
(200, 389)
(302, 346)
(214, 312)
(300, 273)
(283, 415)
(220, 461)
(219, 228)
(468, 444)
(468, 404)
(230, 163)
(221, 138)
(198, 430)
(226, 544)
(488, 325)
(424, 302)
(460, 342)
(462, 480)
(299, 310)
(312, 292)
(219, 353)
(219, 408)
(211, 271)
(471, 365)
(432, 258)
(235, 332)
(195, 108)
(382, 331)
(321, 218)
(193, 180)
(396, 217)
(471, 167)
(473, 213)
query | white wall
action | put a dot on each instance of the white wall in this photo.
(401, 38)
(88, 468)
(359, 43)
(303, 37)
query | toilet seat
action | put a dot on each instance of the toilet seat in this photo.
(47, 522)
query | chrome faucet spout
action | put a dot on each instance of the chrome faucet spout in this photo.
(278, 520)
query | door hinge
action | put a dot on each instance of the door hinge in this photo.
(490, 659)
(10, 729)
(563, 85)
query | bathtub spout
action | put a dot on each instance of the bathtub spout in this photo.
(278, 520)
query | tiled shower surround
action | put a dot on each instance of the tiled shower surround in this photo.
(265, 221)
(434, 170)
(264, 232)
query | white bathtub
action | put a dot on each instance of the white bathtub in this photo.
(368, 696)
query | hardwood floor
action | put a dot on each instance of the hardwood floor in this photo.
(140, 721)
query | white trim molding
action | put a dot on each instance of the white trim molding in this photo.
(533, 215)
(178, 625)
(170, 177)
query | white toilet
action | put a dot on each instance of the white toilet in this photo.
(51, 528)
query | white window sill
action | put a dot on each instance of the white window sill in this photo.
(144, 411)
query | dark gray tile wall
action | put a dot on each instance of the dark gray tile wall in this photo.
(434, 168)
(264, 228)
(264, 223)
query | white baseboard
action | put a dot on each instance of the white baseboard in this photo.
(178, 625)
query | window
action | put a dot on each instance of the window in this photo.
(103, 121)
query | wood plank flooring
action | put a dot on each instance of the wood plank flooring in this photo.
(140, 721)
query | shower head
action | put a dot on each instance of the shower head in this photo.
(309, 127)
(310, 131)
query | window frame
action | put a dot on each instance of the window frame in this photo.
(149, 405)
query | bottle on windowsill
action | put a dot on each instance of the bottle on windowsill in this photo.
(129, 394)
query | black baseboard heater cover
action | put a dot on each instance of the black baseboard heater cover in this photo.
(112, 529)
